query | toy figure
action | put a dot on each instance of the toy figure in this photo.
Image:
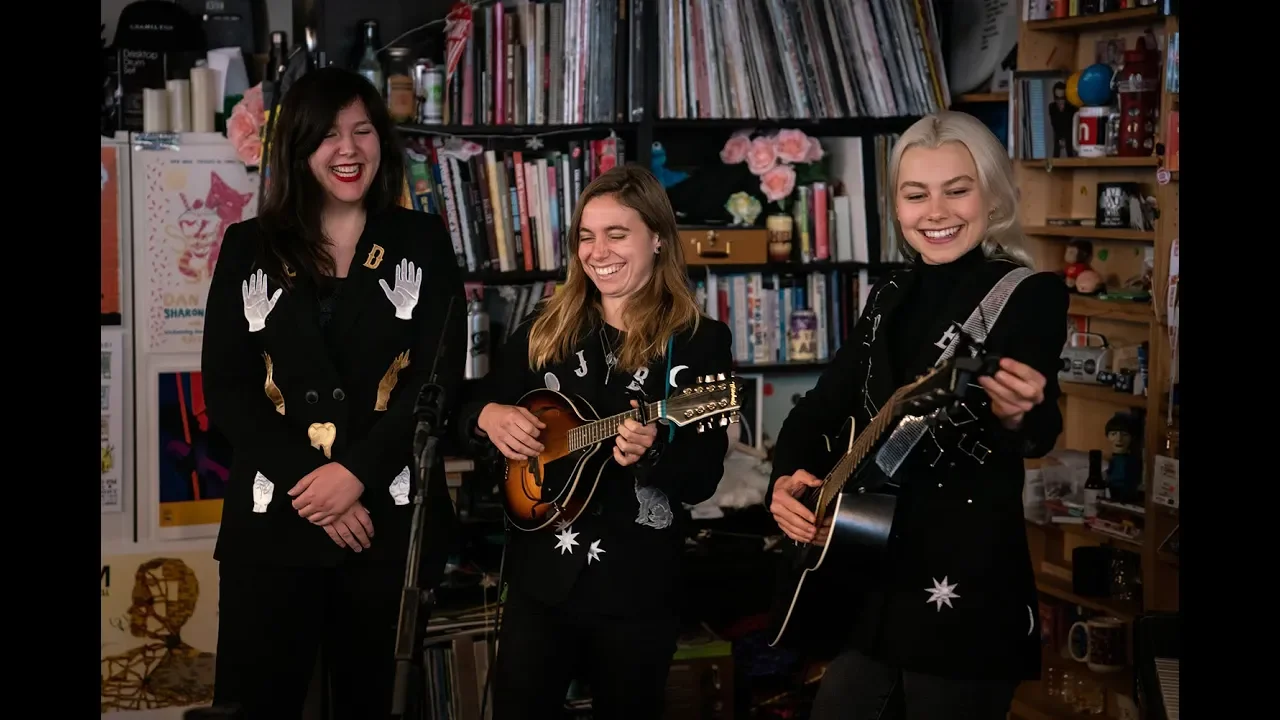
(1077, 257)
(1124, 472)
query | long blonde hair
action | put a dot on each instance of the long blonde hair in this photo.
(1004, 238)
(653, 314)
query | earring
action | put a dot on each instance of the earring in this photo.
(657, 249)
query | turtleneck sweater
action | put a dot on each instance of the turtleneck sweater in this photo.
(921, 308)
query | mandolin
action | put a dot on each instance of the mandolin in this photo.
(854, 506)
(555, 486)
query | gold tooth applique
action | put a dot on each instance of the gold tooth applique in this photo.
(388, 382)
(322, 436)
(273, 391)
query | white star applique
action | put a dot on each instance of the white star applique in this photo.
(565, 541)
(593, 552)
(941, 593)
(562, 524)
(533, 143)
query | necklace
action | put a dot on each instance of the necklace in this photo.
(610, 359)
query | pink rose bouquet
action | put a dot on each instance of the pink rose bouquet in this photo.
(244, 127)
(781, 160)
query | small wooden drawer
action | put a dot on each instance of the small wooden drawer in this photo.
(718, 246)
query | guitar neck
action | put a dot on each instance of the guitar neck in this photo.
(605, 428)
(865, 441)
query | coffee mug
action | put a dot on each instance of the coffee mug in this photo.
(1094, 131)
(1104, 644)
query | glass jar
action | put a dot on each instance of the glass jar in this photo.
(401, 99)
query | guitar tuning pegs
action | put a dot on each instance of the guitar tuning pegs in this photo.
(735, 417)
(723, 421)
(720, 376)
(702, 427)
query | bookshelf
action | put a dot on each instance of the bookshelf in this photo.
(1065, 187)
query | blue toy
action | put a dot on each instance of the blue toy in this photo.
(658, 164)
(1095, 85)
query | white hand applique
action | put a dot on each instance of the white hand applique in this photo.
(400, 487)
(256, 305)
(263, 489)
(405, 294)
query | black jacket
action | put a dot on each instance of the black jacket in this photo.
(959, 518)
(637, 570)
(330, 375)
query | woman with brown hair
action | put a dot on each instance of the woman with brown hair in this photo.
(595, 600)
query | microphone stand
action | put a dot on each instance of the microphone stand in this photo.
(416, 603)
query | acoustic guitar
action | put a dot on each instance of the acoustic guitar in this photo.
(555, 486)
(854, 508)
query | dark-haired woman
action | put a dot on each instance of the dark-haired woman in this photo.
(323, 319)
(595, 599)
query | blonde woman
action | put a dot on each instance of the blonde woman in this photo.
(948, 626)
(596, 600)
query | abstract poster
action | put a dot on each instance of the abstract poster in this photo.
(194, 459)
(111, 277)
(188, 197)
(113, 420)
(159, 632)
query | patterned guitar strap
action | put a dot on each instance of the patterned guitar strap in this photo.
(912, 428)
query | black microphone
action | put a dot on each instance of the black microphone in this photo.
(427, 410)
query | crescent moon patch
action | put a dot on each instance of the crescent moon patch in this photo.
(675, 371)
(1032, 617)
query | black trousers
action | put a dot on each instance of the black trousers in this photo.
(273, 620)
(857, 687)
(542, 649)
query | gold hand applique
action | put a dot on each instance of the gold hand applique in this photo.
(273, 391)
(388, 382)
(322, 436)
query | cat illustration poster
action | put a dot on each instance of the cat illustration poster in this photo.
(186, 198)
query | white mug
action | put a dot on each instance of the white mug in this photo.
(1105, 644)
(1091, 127)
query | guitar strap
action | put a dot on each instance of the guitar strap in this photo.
(666, 383)
(912, 428)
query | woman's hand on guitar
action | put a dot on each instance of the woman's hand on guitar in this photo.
(1014, 389)
(634, 440)
(512, 429)
(792, 516)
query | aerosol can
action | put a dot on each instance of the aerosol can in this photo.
(477, 340)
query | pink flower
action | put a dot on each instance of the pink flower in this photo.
(791, 145)
(761, 157)
(252, 100)
(777, 183)
(243, 133)
(815, 151)
(735, 150)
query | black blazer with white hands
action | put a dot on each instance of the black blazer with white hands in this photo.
(291, 396)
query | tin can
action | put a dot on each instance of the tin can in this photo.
(429, 81)
(802, 337)
(477, 341)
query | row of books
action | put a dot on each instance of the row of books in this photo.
(548, 63)
(818, 59)
(506, 210)
(757, 307)
(891, 241)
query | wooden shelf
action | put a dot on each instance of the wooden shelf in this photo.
(975, 98)
(1086, 23)
(1126, 310)
(513, 130)
(1125, 610)
(700, 269)
(1102, 162)
(513, 277)
(1102, 393)
(1092, 233)
(787, 367)
(818, 127)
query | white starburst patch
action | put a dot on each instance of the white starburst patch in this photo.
(565, 541)
(562, 524)
(941, 593)
(594, 552)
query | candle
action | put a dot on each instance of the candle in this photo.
(179, 105)
(155, 110)
(202, 105)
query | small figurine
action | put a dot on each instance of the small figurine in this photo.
(658, 164)
(1077, 257)
(744, 207)
(1124, 472)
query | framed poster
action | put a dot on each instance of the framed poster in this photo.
(116, 449)
(185, 196)
(159, 632)
(114, 182)
(188, 461)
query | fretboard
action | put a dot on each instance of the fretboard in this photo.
(605, 428)
(866, 440)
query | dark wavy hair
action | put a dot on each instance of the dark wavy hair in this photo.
(294, 199)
